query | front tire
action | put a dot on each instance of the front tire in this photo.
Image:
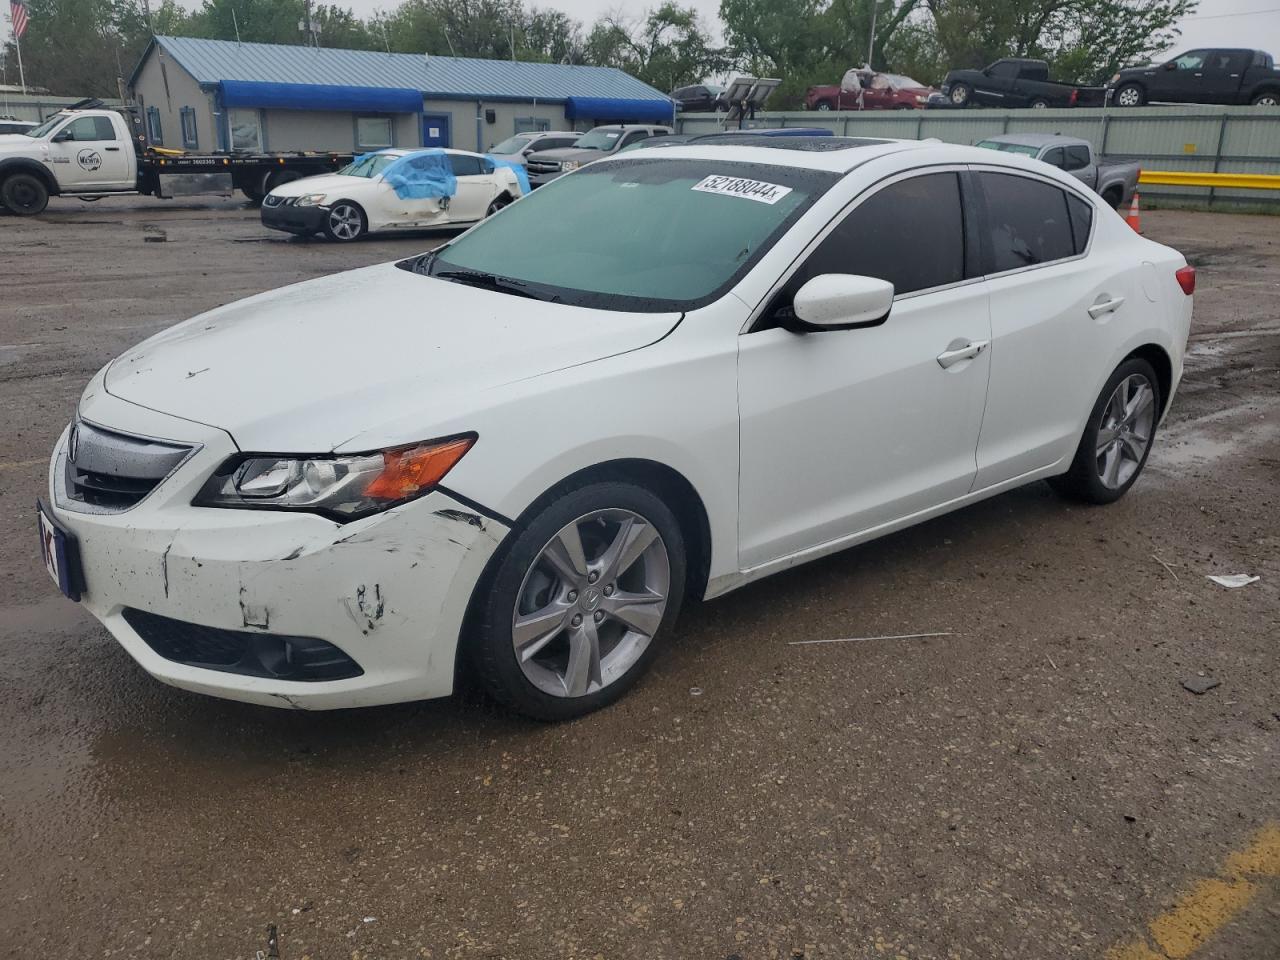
(1130, 95)
(960, 94)
(1039, 103)
(1118, 437)
(345, 222)
(580, 601)
(24, 194)
(824, 106)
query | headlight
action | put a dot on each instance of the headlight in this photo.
(921, 99)
(310, 200)
(339, 487)
(569, 165)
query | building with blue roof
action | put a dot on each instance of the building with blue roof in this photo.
(222, 95)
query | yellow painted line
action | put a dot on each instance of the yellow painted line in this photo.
(19, 464)
(1238, 181)
(1209, 906)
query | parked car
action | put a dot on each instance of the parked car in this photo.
(1216, 75)
(1114, 180)
(10, 125)
(522, 146)
(359, 199)
(653, 143)
(669, 374)
(700, 98)
(736, 137)
(880, 91)
(592, 146)
(1016, 83)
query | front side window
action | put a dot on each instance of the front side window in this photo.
(640, 234)
(1027, 222)
(1005, 69)
(246, 131)
(373, 133)
(910, 233)
(1190, 61)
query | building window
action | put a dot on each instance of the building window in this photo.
(154, 131)
(190, 134)
(246, 131)
(532, 124)
(373, 133)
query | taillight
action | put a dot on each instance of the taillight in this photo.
(1187, 279)
(1075, 95)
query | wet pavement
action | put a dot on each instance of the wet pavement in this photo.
(1036, 784)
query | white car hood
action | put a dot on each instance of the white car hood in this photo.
(331, 183)
(309, 367)
(19, 143)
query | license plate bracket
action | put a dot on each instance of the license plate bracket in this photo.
(60, 553)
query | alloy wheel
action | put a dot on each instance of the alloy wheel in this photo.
(1128, 97)
(1125, 431)
(344, 222)
(591, 602)
(1267, 100)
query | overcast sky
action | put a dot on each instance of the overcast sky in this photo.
(1226, 23)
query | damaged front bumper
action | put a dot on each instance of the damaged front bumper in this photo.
(389, 591)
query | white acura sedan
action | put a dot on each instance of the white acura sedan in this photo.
(725, 360)
(363, 197)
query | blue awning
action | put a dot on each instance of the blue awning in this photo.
(319, 96)
(622, 111)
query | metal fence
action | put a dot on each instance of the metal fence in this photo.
(37, 107)
(1190, 139)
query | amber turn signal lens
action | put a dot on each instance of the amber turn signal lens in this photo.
(405, 473)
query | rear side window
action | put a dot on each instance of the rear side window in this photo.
(910, 233)
(1081, 215)
(1077, 157)
(1027, 222)
(464, 166)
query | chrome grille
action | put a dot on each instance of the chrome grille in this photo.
(110, 472)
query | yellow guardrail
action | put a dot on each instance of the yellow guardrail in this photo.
(1236, 181)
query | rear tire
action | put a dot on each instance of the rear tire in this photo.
(280, 177)
(566, 606)
(1268, 98)
(345, 222)
(1117, 438)
(1113, 197)
(24, 194)
(498, 203)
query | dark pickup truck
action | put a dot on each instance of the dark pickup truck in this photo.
(1201, 76)
(1016, 83)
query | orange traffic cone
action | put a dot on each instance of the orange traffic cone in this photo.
(1134, 217)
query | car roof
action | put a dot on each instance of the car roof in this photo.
(1032, 139)
(839, 154)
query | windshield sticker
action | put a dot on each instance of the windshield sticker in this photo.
(756, 190)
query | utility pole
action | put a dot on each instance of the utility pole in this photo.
(871, 47)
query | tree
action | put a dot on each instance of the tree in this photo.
(667, 48)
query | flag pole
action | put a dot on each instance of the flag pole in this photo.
(22, 77)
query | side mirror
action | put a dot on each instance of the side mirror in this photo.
(842, 301)
(1171, 65)
(62, 136)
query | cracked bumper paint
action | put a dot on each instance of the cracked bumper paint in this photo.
(390, 590)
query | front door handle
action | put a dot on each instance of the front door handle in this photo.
(1105, 306)
(966, 351)
(112, 149)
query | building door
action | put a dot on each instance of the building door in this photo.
(435, 130)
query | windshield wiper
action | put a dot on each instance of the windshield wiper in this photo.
(490, 281)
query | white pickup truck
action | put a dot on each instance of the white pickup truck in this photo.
(94, 152)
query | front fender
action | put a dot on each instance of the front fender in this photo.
(10, 165)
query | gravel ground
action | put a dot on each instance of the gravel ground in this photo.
(1036, 785)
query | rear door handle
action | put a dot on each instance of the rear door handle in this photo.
(967, 351)
(1105, 306)
(112, 149)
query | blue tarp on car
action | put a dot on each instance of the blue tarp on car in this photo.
(521, 173)
(421, 175)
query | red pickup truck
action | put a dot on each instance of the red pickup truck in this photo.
(880, 91)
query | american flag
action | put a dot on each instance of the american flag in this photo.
(18, 18)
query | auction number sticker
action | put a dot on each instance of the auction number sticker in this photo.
(756, 190)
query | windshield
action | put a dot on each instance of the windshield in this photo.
(511, 145)
(646, 234)
(368, 166)
(1021, 148)
(598, 140)
(45, 127)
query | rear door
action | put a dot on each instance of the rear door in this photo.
(89, 154)
(1052, 307)
(846, 430)
(1223, 74)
